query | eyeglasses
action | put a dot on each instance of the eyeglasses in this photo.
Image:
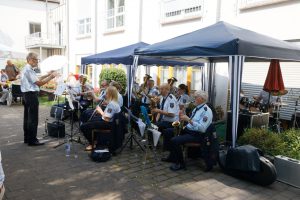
(35, 59)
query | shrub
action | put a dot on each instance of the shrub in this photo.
(114, 73)
(269, 142)
(19, 63)
(291, 138)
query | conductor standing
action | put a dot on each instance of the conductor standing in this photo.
(30, 84)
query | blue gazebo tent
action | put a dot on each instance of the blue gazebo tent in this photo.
(224, 42)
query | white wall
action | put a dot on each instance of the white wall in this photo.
(277, 20)
(15, 16)
(79, 46)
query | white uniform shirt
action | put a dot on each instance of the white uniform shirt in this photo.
(170, 106)
(201, 119)
(120, 100)
(153, 92)
(28, 79)
(183, 100)
(111, 109)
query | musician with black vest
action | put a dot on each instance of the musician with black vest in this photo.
(168, 109)
(197, 124)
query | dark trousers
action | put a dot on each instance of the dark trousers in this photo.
(31, 116)
(162, 125)
(86, 128)
(178, 141)
(168, 134)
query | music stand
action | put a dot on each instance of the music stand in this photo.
(131, 137)
(71, 105)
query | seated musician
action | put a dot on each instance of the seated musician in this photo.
(168, 109)
(85, 116)
(85, 100)
(119, 88)
(173, 88)
(150, 92)
(197, 124)
(104, 116)
(183, 97)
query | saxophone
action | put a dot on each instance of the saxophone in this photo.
(143, 87)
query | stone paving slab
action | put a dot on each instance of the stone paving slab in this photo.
(46, 173)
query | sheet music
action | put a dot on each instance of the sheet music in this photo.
(60, 89)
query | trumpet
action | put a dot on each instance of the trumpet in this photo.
(178, 126)
(99, 104)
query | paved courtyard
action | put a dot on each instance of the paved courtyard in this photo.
(46, 173)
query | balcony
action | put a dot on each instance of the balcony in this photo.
(44, 40)
(249, 4)
(180, 10)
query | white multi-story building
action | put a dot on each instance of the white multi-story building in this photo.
(98, 26)
(18, 20)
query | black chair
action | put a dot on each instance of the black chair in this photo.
(113, 133)
(16, 92)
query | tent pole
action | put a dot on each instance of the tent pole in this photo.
(236, 65)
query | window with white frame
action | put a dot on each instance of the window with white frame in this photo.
(178, 10)
(84, 26)
(115, 14)
(196, 79)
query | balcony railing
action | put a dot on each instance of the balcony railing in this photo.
(43, 39)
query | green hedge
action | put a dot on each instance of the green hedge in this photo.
(114, 73)
(286, 143)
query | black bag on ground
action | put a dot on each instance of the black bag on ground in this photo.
(56, 129)
(100, 155)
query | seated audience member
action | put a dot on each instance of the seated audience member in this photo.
(3, 87)
(197, 124)
(105, 116)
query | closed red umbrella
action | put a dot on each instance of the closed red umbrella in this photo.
(274, 82)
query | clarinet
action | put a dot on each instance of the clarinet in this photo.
(94, 112)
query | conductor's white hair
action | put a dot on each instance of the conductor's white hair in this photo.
(202, 94)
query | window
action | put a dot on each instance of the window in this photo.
(84, 26)
(34, 28)
(115, 14)
(180, 73)
(164, 74)
(196, 78)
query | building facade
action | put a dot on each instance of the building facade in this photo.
(20, 19)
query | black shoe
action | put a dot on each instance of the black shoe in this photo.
(25, 141)
(167, 159)
(36, 143)
(2, 103)
(176, 167)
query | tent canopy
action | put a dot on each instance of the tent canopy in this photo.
(222, 40)
(125, 55)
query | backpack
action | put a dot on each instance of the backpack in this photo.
(100, 155)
